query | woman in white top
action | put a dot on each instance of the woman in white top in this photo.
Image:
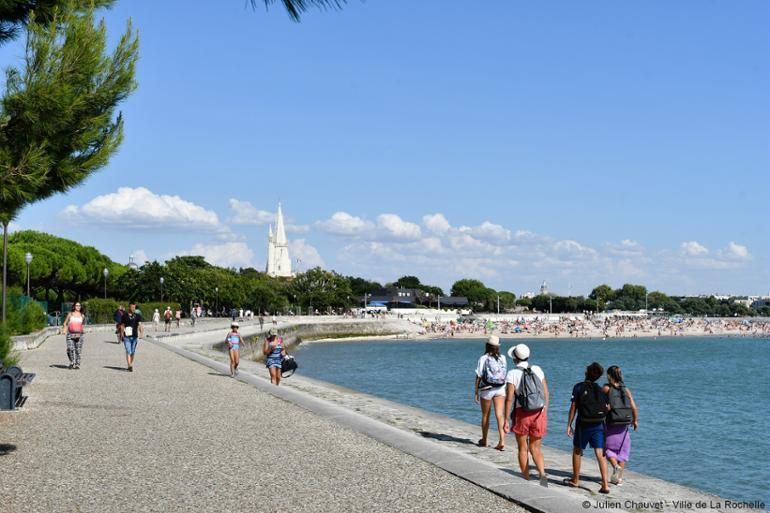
(490, 389)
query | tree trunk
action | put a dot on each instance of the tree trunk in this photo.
(5, 265)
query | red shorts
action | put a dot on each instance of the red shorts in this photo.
(530, 423)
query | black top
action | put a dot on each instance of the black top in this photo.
(133, 321)
(577, 391)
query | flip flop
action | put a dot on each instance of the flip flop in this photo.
(500, 448)
(481, 443)
(568, 482)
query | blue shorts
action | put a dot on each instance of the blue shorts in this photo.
(589, 434)
(273, 362)
(130, 344)
(235, 347)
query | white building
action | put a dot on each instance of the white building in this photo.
(278, 261)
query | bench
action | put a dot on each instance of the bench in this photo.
(12, 381)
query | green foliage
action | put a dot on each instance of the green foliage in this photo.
(7, 355)
(61, 266)
(319, 289)
(101, 311)
(33, 318)
(57, 116)
(296, 7)
(360, 286)
(16, 13)
(408, 282)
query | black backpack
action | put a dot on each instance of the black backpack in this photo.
(620, 407)
(592, 403)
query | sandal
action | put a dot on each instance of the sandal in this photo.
(604, 490)
(481, 443)
(500, 447)
(568, 482)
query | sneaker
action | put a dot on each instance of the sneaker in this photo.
(130, 368)
(544, 481)
(620, 478)
(615, 476)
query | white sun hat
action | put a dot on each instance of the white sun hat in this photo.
(494, 340)
(519, 352)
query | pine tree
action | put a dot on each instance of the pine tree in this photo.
(58, 120)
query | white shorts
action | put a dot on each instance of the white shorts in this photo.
(487, 395)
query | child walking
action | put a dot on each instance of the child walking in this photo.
(234, 341)
(622, 414)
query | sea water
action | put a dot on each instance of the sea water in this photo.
(704, 403)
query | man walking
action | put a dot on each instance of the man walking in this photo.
(591, 405)
(131, 330)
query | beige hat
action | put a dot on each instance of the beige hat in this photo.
(519, 352)
(494, 340)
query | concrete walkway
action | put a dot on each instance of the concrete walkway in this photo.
(177, 436)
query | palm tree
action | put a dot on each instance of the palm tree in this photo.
(296, 7)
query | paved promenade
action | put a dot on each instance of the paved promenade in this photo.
(177, 436)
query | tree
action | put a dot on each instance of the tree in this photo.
(408, 282)
(57, 115)
(14, 14)
(296, 7)
(477, 293)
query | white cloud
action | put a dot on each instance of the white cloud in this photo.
(436, 223)
(626, 247)
(342, 223)
(570, 249)
(140, 208)
(397, 228)
(694, 248)
(229, 254)
(735, 251)
(243, 212)
(491, 231)
(307, 254)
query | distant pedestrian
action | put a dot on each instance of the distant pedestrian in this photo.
(489, 389)
(156, 319)
(117, 317)
(178, 317)
(274, 352)
(233, 314)
(234, 342)
(131, 331)
(527, 394)
(73, 327)
(591, 405)
(623, 413)
(193, 316)
(261, 322)
(167, 316)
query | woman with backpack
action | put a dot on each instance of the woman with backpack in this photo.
(489, 389)
(623, 413)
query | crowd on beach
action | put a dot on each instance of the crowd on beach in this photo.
(600, 416)
(587, 327)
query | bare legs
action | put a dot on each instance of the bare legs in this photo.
(486, 407)
(530, 445)
(576, 459)
(235, 359)
(275, 375)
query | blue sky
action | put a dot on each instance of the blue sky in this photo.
(514, 142)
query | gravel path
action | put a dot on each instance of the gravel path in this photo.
(175, 436)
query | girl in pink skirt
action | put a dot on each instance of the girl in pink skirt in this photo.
(622, 414)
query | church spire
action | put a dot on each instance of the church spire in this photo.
(280, 232)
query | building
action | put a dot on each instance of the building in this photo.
(278, 261)
(395, 297)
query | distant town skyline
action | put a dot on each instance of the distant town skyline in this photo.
(572, 143)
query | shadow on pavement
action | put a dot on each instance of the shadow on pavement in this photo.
(59, 366)
(6, 448)
(445, 438)
(123, 369)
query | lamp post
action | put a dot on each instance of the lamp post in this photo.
(216, 308)
(28, 259)
(105, 272)
(645, 301)
(161, 288)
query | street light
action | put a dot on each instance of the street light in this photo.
(161, 288)
(28, 259)
(105, 272)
